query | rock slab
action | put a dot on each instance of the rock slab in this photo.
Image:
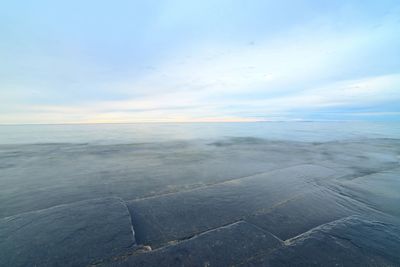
(225, 246)
(74, 234)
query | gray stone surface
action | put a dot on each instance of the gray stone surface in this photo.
(68, 235)
(161, 219)
(302, 213)
(351, 241)
(182, 194)
(40, 176)
(378, 190)
(225, 246)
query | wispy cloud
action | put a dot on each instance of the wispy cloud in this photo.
(342, 60)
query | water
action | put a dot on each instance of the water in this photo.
(153, 132)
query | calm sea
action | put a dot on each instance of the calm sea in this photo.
(155, 132)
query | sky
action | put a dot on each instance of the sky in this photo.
(199, 61)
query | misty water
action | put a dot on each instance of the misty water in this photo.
(201, 194)
(156, 132)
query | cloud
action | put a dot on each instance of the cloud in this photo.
(300, 69)
(338, 96)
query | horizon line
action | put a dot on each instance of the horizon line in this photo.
(185, 122)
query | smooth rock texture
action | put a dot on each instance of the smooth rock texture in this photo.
(185, 194)
(161, 219)
(225, 246)
(351, 241)
(68, 235)
(302, 213)
(378, 190)
(40, 176)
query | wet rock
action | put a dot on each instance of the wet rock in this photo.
(183, 189)
(304, 212)
(67, 235)
(161, 219)
(224, 246)
(42, 176)
(378, 190)
(352, 241)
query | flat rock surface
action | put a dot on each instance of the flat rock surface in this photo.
(161, 219)
(352, 241)
(378, 190)
(68, 235)
(225, 246)
(304, 212)
(215, 202)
